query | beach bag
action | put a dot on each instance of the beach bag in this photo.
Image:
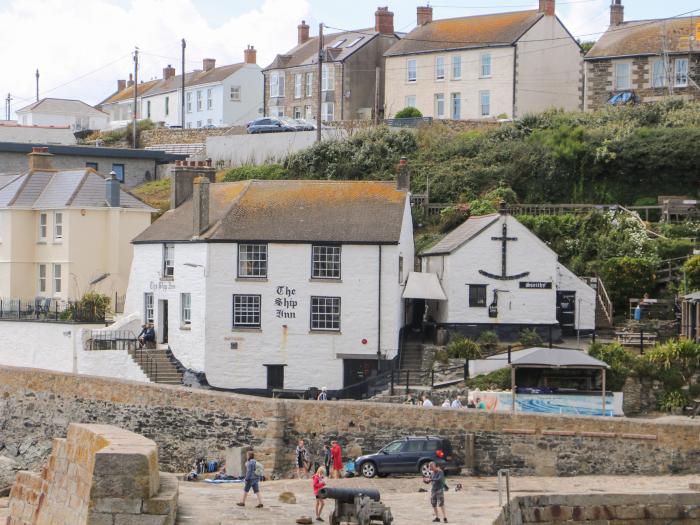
(259, 469)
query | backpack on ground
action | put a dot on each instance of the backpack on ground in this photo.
(259, 469)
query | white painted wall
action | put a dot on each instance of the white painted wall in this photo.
(41, 135)
(59, 120)
(250, 79)
(158, 107)
(215, 114)
(585, 298)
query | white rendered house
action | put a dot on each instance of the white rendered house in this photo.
(60, 112)
(277, 284)
(498, 275)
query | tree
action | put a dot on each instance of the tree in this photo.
(409, 112)
(692, 273)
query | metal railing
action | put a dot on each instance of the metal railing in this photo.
(602, 298)
(111, 340)
(46, 309)
(671, 270)
(147, 362)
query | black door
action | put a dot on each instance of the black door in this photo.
(275, 376)
(357, 370)
(165, 321)
(566, 312)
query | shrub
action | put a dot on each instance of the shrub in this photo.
(673, 248)
(463, 348)
(627, 277)
(673, 400)
(453, 216)
(692, 272)
(530, 337)
(261, 172)
(488, 339)
(622, 363)
(409, 112)
(497, 380)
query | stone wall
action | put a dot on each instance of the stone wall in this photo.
(98, 474)
(37, 404)
(157, 136)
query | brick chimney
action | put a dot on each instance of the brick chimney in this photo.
(424, 14)
(302, 32)
(112, 194)
(403, 179)
(250, 55)
(121, 85)
(200, 204)
(208, 64)
(384, 21)
(547, 7)
(130, 82)
(617, 13)
(168, 72)
(40, 159)
(182, 176)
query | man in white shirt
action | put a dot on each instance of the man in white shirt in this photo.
(427, 402)
(457, 403)
(446, 403)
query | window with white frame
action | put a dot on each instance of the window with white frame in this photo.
(297, 85)
(485, 65)
(246, 311)
(189, 125)
(622, 76)
(681, 72)
(235, 94)
(456, 67)
(309, 84)
(57, 278)
(328, 77)
(168, 261)
(325, 313)
(439, 68)
(189, 102)
(42, 278)
(328, 111)
(199, 100)
(325, 262)
(298, 112)
(43, 221)
(252, 260)
(351, 44)
(439, 105)
(210, 99)
(199, 123)
(57, 225)
(411, 70)
(209, 122)
(277, 84)
(456, 106)
(148, 316)
(185, 309)
(410, 101)
(658, 74)
(484, 103)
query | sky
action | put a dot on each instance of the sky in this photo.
(82, 48)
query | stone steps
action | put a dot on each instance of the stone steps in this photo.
(157, 366)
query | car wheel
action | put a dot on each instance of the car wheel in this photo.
(368, 469)
(424, 469)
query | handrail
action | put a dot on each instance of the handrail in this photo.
(110, 340)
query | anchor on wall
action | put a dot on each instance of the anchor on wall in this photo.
(504, 274)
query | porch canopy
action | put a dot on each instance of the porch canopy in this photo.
(423, 286)
(558, 358)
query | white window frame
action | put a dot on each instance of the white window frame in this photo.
(309, 84)
(622, 82)
(326, 261)
(411, 70)
(43, 226)
(298, 112)
(148, 307)
(185, 309)
(252, 260)
(277, 111)
(440, 67)
(189, 101)
(57, 226)
(57, 278)
(297, 85)
(41, 277)
(456, 106)
(200, 102)
(328, 77)
(277, 84)
(485, 65)
(328, 111)
(235, 94)
(439, 105)
(168, 261)
(210, 99)
(680, 74)
(246, 311)
(410, 101)
(658, 80)
(486, 94)
(325, 314)
(456, 67)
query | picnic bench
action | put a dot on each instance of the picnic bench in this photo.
(636, 339)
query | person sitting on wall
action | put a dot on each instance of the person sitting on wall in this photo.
(142, 333)
(147, 337)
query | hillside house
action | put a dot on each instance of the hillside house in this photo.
(649, 59)
(349, 73)
(60, 112)
(276, 284)
(486, 66)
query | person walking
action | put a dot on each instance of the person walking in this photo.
(327, 458)
(337, 456)
(323, 395)
(437, 491)
(457, 402)
(251, 480)
(426, 401)
(319, 482)
(301, 457)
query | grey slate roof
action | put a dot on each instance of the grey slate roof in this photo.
(463, 233)
(360, 212)
(692, 297)
(157, 155)
(62, 106)
(559, 358)
(82, 188)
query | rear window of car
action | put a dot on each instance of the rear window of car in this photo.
(262, 122)
(432, 445)
(413, 446)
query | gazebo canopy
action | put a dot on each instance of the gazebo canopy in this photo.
(558, 358)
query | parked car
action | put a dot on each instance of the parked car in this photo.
(268, 125)
(304, 125)
(410, 455)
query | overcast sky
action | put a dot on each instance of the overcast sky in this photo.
(82, 48)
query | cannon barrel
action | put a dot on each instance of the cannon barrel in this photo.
(348, 495)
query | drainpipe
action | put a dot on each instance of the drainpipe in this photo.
(264, 96)
(515, 77)
(342, 90)
(379, 309)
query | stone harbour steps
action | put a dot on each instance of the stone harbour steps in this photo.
(157, 366)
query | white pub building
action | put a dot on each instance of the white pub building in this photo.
(276, 284)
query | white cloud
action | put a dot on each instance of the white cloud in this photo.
(588, 19)
(66, 40)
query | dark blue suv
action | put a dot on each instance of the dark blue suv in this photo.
(410, 455)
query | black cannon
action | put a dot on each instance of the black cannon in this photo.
(362, 506)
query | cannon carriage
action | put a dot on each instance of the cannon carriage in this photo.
(361, 506)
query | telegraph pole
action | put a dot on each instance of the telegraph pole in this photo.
(7, 106)
(182, 110)
(319, 120)
(37, 85)
(136, 88)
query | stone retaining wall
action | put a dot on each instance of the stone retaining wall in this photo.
(158, 136)
(185, 423)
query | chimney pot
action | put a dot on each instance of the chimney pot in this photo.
(40, 158)
(121, 84)
(130, 82)
(208, 64)
(168, 72)
(112, 190)
(547, 7)
(403, 179)
(302, 32)
(384, 21)
(617, 13)
(424, 15)
(250, 55)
